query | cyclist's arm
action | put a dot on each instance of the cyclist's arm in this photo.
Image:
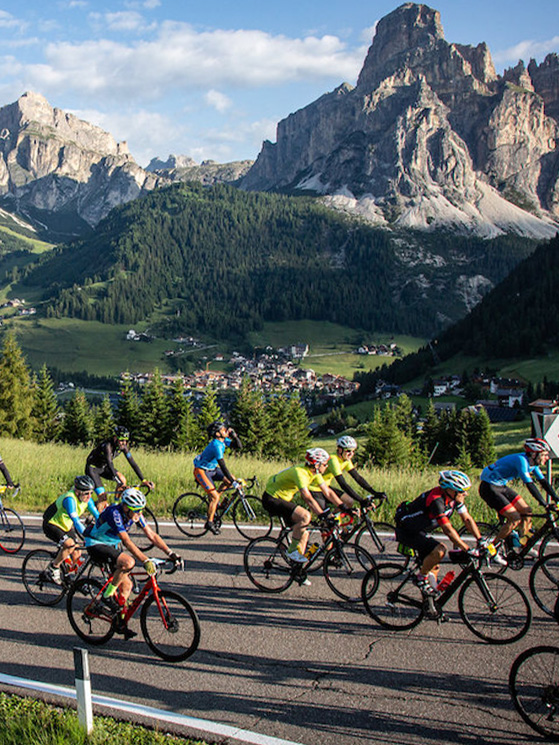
(363, 483)
(156, 539)
(310, 501)
(535, 492)
(136, 468)
(226, 472)
(130, 546)
(92, 508)
(6, 474)
(546, 486)
(450, 531)
(347, 489)
(70, 507)
(235, 440)
(470, 524)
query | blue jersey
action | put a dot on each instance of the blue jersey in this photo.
(109, 525)
(212, 453)
(511, 467)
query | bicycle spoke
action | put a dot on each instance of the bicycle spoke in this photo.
(391, 598)
(170, 626)
(504, 616)
(251, 519)
(267, 565)
(190, 514)
(344, 568)
(90, 621)
(544, 583)
(36, 580)
(534, 687)
(12, 532)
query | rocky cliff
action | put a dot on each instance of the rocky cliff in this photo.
(61, 171)
(429, 137)
(208, 172)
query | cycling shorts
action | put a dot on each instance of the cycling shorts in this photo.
(104, 553)
(279, 507)
(56, 534)
(499, 498)
(97, 473)
(207, 478)
(422, 543)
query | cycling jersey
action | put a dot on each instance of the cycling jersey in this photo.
(336, 466)
(212, 453)
(511, 467)
(286, 483)
(110, 523)
(102, 455)
(66, 511)
(430, 509)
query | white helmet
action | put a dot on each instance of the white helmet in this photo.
(455, 480)
(315, 457)
(536, 445)
(346, 442)
(134, 499)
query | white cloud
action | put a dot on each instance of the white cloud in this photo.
(181, 58)
(7, 20)
(368, 33)
(526, 50)
(219, 101)
(125, 20)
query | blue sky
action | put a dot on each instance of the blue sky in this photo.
(212, 79)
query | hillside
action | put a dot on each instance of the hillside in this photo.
(518, 319)
(221, 261)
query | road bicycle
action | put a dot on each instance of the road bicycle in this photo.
(491, 605)
(169, 624)
(344, 564)
(42, 588)
(12, 531)
(544, 583)
(376, 537)
(190, 512)
(546, 535)
(534, 687)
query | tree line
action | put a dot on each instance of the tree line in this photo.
(221, 261)
(159, 418)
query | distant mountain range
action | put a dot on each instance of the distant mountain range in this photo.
(430, 137)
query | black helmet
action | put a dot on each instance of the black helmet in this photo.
(122, 433)
(84, 483)
(214, 428)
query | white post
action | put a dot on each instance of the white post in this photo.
(83, 689)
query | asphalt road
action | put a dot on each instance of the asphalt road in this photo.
(301, 666)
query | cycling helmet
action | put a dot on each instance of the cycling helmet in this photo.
(214, 428)
(346, 443)
(536, 445)
(84, 483)
(315, 457)
(134, 499)
(121, 433)
(454, 480)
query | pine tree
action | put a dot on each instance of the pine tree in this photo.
(16, 391)
(103, 420)
(154, 414)
(184, 430)
(385, 444)
(298, 433)
(46, 411)
(404, 415)
(209, 412)
(128, 409)
(278, 416)
(77, 425)
(430, 434)
(249, 419)
(482, 443)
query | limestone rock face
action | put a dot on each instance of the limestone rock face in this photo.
(209, 172)
(52, 162)
(429, 137)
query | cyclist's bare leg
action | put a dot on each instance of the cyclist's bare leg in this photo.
(121, 579)
(214, 495)
(513, 517)
(431, 561)
(301, 520)
(69, 548)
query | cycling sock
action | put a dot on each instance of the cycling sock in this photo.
(109, 590)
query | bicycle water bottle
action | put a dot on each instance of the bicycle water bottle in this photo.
(523, 540)
(446, 581)
(311, 550)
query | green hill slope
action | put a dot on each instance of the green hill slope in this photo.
(221, 261)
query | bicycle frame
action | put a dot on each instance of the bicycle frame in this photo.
(239, 495)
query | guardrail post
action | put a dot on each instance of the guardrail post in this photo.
(83, 689)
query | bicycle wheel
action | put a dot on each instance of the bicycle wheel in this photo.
(93, 625)
(534, 687)
(12, 532)
(137, 534)
(544, 583)
(386, 537)
(345, 566)
(251, 519)
(170, 626)
(190, 514)
(391, 597)
(548, 544)
(502, 619)
(36, 581)
(267, 565)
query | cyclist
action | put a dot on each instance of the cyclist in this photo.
(340, 463)
(62, 524)
(210, 466)
(507, 502)
(99, 464)
(285, 485)
(108, 542)
(431, 509)
(9, 483)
